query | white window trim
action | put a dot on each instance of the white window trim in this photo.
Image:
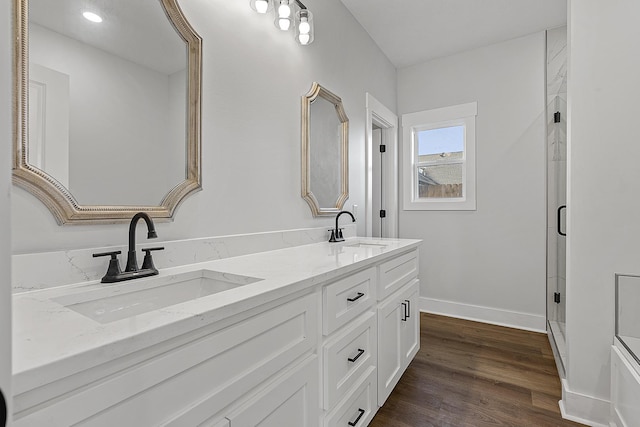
(456, 115)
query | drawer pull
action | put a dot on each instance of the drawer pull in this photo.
(408, 308)
(357, 297)
(404, 312)
(354, 422)
(353, 359)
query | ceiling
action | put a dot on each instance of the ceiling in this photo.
(414, 31)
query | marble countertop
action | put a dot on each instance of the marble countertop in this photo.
(51, 341)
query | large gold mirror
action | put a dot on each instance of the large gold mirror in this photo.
(107, 113)
(325, 151)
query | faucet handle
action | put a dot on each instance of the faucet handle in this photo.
(114, 265)
(333, 236)
(112, 254)
(147, 263)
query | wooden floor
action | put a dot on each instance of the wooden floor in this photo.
(473, 374)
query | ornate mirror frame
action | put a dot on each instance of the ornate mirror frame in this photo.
(54, 195)
(318, 91)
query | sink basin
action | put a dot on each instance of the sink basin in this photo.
(116, 302)
(366, 245)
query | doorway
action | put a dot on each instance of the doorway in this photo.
(381, 205)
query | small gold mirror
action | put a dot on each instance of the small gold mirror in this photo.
(325, 152)
(107, 107)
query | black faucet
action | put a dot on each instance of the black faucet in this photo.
(336, 234)
(114, 274)
(132, 262)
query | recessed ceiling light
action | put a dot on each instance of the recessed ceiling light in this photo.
(92, 17)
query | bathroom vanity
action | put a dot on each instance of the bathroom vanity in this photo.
(313, 335)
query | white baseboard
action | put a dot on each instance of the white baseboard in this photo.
(511, 319)
(584, 409)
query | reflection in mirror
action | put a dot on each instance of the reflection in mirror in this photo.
(112, 122)
(325, 133)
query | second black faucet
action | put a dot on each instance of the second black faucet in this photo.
(336, 234)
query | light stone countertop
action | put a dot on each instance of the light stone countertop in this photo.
(51, 341)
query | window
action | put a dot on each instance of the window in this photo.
(439, 159)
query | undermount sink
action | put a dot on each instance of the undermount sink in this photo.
(366, 245)
(116, 302)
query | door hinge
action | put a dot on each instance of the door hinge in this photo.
(383, 148)
(383, 213)
(556, 117)
(556, 297)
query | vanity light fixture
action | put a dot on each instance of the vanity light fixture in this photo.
(261, 6)
(284, 17)
(304, 27)
(90, 16)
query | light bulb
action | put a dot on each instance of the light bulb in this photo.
(284, 11)
(304, 38)
(284, 23)
(262, 6)
(304, 26)
(92, 17)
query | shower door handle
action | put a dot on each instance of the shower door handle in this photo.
(559, 217)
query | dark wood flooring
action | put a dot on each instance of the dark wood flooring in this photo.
(470, 374)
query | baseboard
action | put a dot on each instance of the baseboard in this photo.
(511, 319)
(584, 409)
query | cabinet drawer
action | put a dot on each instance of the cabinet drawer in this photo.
(394, 273)
(358, 408)
(193, 382)
(289, 401)
(347, 357)
(347, 298)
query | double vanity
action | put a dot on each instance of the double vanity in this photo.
(312, 335)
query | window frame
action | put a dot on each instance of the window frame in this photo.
(412, 123)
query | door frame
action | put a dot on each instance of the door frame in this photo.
(387, 121)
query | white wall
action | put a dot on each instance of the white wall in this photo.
(603, 235)
(488, 264)
(5, 201)
(120, 122)
(254, 77)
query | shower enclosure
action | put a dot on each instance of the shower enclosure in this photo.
(557, 191)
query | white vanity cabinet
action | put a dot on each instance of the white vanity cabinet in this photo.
(365, 356)
(398, 337)
(290, 401)
(350, 349)
(398, 320)
(191, 379)
(323, 350)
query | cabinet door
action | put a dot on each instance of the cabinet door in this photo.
(398, 337)
(390, 358)
(290, 401)
(410, 325)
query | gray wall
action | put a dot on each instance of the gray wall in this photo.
(254, 77)
(488, 264)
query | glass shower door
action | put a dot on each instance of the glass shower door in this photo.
(556, 280)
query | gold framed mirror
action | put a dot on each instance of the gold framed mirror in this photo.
(325, 151)
(107, 115)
